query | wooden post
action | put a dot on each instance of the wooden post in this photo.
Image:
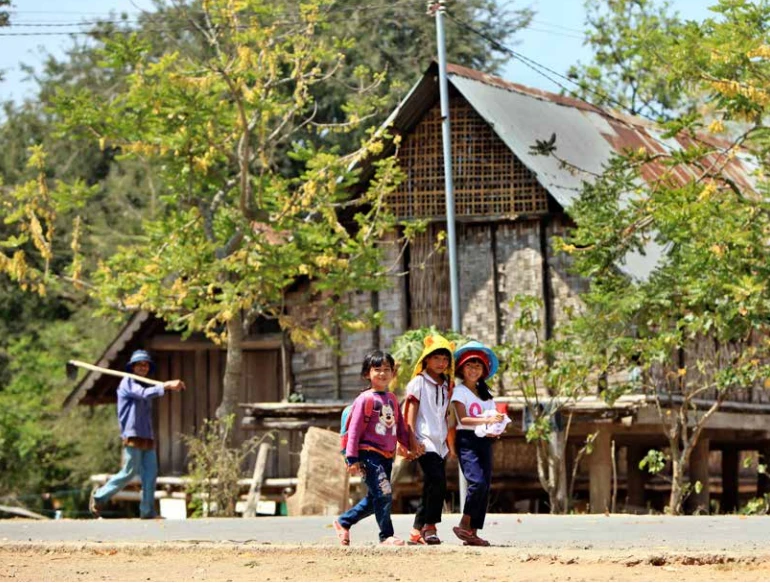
(635, 478)
(730, 469)
(600, 473)
(257, 480)
(698, 503)
(763, 480)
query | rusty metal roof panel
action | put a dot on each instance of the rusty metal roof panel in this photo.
(586, 138)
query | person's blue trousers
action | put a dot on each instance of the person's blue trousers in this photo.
(136, 461)
(378, 499)
(475, 454)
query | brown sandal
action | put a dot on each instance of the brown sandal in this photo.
(342, 533)
(476, 541)
(462, 533)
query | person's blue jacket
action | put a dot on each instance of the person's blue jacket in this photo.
(135, 408)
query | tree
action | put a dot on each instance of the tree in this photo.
(550, 374)
(235, 232)
(621, 74)
(695, 329)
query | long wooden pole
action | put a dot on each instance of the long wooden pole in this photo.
(115, 373)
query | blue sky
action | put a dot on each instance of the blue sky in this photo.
(553, 40)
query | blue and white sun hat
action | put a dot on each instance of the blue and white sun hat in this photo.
(474, 349)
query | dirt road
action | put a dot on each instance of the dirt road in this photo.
(230, 562)
(532, 548)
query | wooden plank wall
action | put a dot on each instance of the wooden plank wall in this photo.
(185, 413)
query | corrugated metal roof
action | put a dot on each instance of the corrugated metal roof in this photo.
(586, 137)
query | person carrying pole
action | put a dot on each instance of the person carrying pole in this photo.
(135, 418)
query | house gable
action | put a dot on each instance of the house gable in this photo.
(489, 181)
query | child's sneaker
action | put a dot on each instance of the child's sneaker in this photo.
(392, 541)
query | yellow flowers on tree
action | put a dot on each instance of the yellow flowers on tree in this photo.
(249, 209)
(692, 332)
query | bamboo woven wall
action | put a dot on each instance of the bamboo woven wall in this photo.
(488, 179)
(429, 281)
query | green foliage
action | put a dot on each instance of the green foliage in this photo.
(759, 506)
(215, 466)
(548, 373)
(408, 347)
(624, 74)
(4, 19)
(43, 448)
(655, 461)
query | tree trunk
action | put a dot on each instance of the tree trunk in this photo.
(233, 367)
(552, 470)
(677, 486)
(557, 467)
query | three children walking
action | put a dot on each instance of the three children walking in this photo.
(424, 431)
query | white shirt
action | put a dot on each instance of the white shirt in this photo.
(430, 425)
(474, 407)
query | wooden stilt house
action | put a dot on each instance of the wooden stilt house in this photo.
(510, 204)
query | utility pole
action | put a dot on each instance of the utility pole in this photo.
(436, 8)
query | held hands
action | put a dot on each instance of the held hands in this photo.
(417, 449)
(356, 470)
(175, 385)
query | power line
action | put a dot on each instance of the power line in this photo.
(536, 66)
(164, 27)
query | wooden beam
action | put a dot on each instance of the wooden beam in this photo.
(600, 473)
(719, 420)
(763, 480)
(635, 478)
(255, 488)
(730, 462)
(173, 342)
(698, 502)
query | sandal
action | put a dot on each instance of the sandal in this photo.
(430, 536)
(392, 541)
(342, 533)
(476, 541)
(462, 533)
(93, 506)
(415, 538)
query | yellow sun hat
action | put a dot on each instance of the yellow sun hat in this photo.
(433, 343)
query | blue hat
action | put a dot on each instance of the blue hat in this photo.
(474, 349)
(140, 356)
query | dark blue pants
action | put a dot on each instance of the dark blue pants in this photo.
(378, 499)
(475, 455)
(433, 490)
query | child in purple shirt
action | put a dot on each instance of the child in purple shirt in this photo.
(371, 448)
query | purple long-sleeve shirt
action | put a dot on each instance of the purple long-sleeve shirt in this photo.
(135, 408)
(386, 426)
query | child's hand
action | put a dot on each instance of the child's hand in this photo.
(356, 470)
(452, 454)
(402, 451)
(498, 417)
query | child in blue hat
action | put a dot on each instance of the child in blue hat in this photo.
(474, 407)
